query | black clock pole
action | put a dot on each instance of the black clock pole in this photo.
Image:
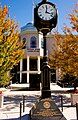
(45, 73)
(45, 50)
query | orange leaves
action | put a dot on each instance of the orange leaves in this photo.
(5, 10)
(65, 56)
(7, 23)
(74, 18)
(10, 45)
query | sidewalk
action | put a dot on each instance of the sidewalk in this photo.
(12, 99)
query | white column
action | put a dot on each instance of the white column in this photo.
(1, 99)
(27, 63)
(20, 70)
(38, 63)
(27, 77)
(28, 69)
(58, 74)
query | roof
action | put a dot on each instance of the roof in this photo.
(28, 27)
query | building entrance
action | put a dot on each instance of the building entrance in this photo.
(35, 80)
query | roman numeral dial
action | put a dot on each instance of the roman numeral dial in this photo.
(46, 11)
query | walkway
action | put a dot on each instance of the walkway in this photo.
(12, 101)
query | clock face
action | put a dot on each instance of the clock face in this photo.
(46, 11)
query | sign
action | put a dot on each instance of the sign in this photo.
(46, 109)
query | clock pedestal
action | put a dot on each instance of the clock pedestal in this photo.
(46, 109)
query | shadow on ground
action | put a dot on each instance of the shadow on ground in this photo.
(25, 117)
(11, 102)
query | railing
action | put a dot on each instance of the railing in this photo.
(33, 49)
(22, 106)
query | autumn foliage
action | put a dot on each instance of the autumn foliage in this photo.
(10, 45)
(65, 56)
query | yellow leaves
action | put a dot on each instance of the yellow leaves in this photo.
(1, 38)
(0, 12)
(10, 46)
(0, 29)
(1, 61)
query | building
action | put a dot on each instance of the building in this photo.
(29, 68)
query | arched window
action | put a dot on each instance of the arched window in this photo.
(33, 42)
(24, 40)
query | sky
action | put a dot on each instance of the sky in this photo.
(22, 10)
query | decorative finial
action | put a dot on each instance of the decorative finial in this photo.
(44, 0)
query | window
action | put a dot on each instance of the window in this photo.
(33, 42)
(24, 42)
(24, 64)
(53, 75)
(24, 78)
(42, 44)
(33, 64)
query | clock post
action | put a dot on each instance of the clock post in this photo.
(45, 19)
(45, 73)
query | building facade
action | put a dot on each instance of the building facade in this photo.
(28, 69)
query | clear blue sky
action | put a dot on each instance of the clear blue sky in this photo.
(22, 10)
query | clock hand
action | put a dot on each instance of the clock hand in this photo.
(48, 12)
(46, 9)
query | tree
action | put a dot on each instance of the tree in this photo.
(10, 45)
(64, 55)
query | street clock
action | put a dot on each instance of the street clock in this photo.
(45, 16)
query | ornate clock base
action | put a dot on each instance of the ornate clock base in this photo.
(46, 109)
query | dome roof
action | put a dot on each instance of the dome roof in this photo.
(28, 27)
